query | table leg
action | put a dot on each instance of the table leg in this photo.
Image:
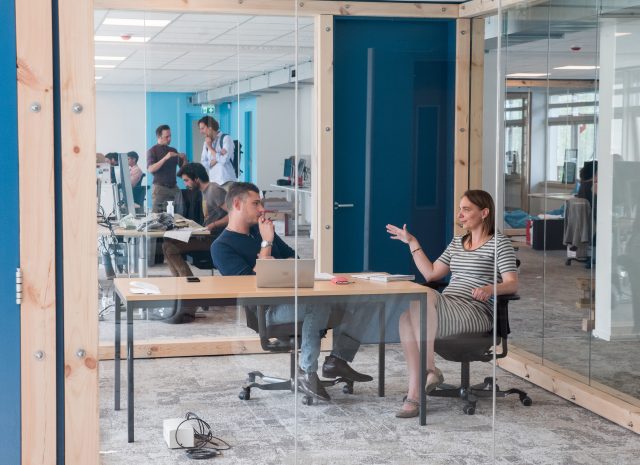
(130, 371)
(142, 256)
(381, 349)
(116, 351)
(423, 359)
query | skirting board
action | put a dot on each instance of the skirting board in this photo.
(194, 347)
(605, 401)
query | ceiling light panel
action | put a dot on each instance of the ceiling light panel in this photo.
(132, 39)
(136, 22)
(109, 58)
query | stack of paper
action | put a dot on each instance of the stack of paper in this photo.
(384, 277)
(139, 287)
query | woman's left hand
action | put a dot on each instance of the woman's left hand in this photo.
(480, 293)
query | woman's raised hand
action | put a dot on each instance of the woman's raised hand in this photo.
(400, 234)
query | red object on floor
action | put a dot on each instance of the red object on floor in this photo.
(528, 232)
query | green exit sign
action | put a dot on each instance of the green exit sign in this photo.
(208, 109)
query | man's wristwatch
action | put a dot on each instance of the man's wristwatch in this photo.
(265, 244)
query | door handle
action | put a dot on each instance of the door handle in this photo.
(337, 205)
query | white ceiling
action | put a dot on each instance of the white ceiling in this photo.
(196, 52)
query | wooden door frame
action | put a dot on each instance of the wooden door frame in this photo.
(78, 188)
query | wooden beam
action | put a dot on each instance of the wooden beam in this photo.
(323, 182)
(476, 103)
(37, 231)
(80, 267)
(286, 7)
(194, 347)
(461, 124)
(600, 399)
(554, 83)
(483, 8)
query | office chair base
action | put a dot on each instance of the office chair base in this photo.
(270, 383)
(470, 394)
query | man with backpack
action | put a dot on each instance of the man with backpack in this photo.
(218, 153)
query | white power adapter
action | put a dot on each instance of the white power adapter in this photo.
(184, 437)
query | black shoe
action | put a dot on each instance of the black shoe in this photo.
(335, 367)
(309, 384)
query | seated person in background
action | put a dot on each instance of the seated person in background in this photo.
(250, 235)
(112, 158)
(215, 219)
(588, 173)
(134, 170)
(465, 306)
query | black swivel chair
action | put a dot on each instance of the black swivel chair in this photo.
(476, 348)
(280, 339)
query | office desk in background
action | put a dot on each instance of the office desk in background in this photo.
(242, 290)
(137, 241)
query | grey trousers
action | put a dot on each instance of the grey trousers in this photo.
(160, 195)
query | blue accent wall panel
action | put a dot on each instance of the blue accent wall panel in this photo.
(9, 252)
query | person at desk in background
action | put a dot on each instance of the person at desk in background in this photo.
(465, 306)
(218, 152)
(250, 235)
(112, 158)
(134, 170)
(162, 161)
(214, 209)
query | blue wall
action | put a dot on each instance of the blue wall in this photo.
(9, 252)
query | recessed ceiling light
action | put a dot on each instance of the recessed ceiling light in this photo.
(136, 22)
(98, 78)
(121, 39)
(105, 66)
(578, 67)
(621, 34)
(527, 75)
(106, 58)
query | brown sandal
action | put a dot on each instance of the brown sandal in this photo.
(413, 412)
(437, 382)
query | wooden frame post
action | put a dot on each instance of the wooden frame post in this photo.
(37, 231)
(476, 93)
(461, 124)
(79, 231)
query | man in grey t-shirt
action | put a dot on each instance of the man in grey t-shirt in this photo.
(214, 211)
(162, 160)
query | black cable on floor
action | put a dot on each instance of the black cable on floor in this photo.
(205, 444)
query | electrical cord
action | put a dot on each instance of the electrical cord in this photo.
(206, 445)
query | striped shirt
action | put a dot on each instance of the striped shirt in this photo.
(475, 268)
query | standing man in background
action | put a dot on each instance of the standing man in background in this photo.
(218, 153)
(162, 161)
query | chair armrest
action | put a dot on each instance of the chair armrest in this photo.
(508, 297)
(436, 285)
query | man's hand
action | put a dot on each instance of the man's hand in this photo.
(223, 151)
(481, 294)
(267, 230)
(170, 155)
(183, 156)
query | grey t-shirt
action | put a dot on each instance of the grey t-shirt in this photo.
(213, 196)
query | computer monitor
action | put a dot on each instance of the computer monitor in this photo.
(124, 191)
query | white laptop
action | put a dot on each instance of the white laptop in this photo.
(281, 273)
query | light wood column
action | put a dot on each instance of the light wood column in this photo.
(322, 184)
(37, 231)
(80, 266)
(461, 124)
(476, 103)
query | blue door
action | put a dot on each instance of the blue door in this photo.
(10, 250)
(393, 139)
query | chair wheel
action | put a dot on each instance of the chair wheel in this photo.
(568, 262)
(469, 409)
(347, 389)
(306, 400)
(245, 394)
(526, 401)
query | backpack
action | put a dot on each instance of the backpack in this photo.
(237, 151)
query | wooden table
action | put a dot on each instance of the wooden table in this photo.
(242, 290)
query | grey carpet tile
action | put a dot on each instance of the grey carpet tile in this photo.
(358, 429)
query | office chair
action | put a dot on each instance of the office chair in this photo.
(477, 347)
(140, 193)
(279, 338)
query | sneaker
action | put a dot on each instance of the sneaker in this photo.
(335, 367)
(309, 384)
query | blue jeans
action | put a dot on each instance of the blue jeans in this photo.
(315, 319)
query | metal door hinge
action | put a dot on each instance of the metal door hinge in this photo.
(18, 286)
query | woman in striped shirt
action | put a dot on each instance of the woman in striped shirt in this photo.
(465, 306)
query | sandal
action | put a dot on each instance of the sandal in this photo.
(439, 379)
(413, 412)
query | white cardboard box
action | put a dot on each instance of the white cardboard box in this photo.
(185, 433)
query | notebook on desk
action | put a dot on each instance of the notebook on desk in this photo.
(281, 273)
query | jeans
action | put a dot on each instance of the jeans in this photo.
(315, 319)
